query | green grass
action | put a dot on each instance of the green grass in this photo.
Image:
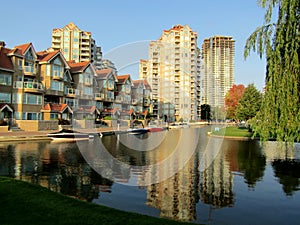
(233, 132)
(25, 203)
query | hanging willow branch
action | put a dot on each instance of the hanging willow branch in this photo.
(279, 116)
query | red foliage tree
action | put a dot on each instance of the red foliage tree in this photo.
(232, 98)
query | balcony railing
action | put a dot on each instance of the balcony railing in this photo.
(71, 92)
(29, 70)
(29, 86)
(119, 98)
(99, 96)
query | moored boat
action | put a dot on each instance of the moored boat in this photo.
(152, 128)
(68, 135)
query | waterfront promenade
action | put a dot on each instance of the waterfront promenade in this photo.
(42, 135)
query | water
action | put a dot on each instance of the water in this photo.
(215, 181)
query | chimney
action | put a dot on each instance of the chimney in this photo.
(2, 44)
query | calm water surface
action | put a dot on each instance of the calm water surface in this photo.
(217, 182)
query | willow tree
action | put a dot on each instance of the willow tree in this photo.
(279, 40)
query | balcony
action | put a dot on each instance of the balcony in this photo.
(99, 96)
(119, 99)
(72, 93)
(29, 86)
(58, 76)
(108, 98)
(147, 102)
(134, 101)
(29, 70)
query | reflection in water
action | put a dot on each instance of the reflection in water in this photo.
(209, 177)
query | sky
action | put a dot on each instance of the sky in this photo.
(116, 24)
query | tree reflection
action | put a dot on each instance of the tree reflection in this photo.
(251, 162)
(287, 171)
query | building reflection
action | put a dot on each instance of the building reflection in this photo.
(176, 197)
(207, 175)
(58, 167)
(216, 179)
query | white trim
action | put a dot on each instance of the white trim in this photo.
(6, 106)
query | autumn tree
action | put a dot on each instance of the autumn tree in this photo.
(279, 116)
(232, 99)
(249, 104)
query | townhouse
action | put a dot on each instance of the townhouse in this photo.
(45, 86)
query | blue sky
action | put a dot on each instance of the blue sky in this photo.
(117, 23)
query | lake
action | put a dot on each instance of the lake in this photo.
(179, 174)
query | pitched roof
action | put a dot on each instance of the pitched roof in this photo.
(50, 107)
(136, 83)
(123, 78)
(103, 73)
(45, 56)
(87, 109)
(78, 67)
(4, 106)
(5, 61)
(23, 48)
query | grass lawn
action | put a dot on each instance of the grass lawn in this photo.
(25, 203)
(233, 132)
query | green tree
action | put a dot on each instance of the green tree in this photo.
(249, 104)
(279, 116)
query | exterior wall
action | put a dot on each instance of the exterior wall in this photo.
(85, 123)
(3, 128)
(37, 125)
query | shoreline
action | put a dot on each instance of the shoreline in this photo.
(235, 137)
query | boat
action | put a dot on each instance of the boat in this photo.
(153, 128)
(65, 135)
(137, 131)
(178, 125)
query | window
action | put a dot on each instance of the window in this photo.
(20, 63)
(80, 78)
(32, 99)
(71, 102)
(5, 97)
(53, 116)
(57, 71)
(5, 79)
(88, 91)
(110, 84)
(29, 55)
(32, 116)
(17, 98)
(48, 70)
(57, 86)
(110, 94)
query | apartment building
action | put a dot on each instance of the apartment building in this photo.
(217, 69)
(173, 71)
(76, 44)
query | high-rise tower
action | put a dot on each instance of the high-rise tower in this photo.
(217, 73)
(173, 70)
(75, 44)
